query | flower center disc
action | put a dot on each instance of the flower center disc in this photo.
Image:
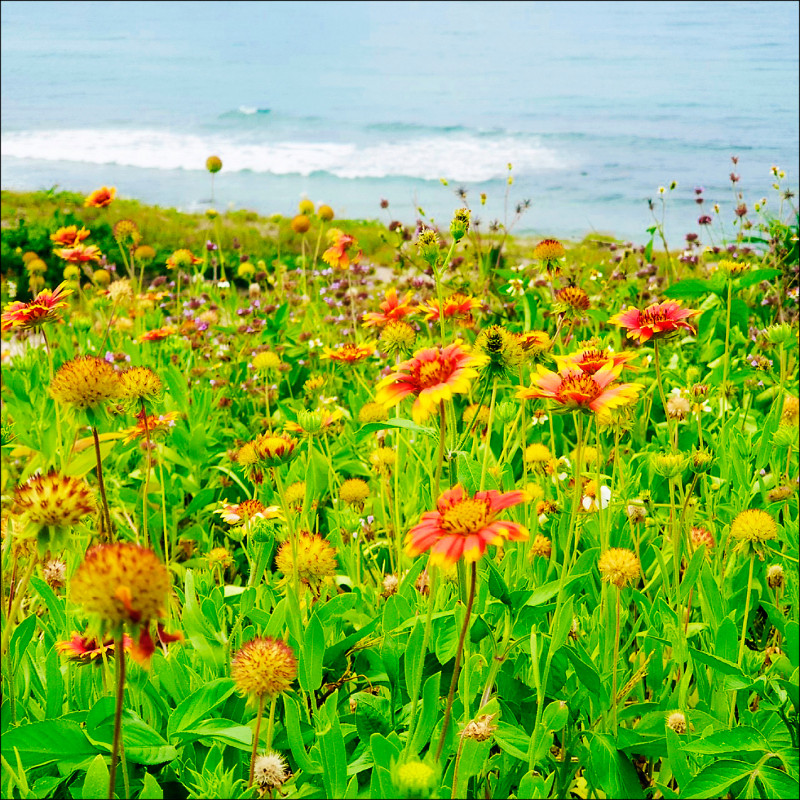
(580, 389)
(433, 373)
(469, 516)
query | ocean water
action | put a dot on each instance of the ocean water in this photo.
(594, 104)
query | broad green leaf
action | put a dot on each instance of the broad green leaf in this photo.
(224, 731)
(41, 743)
(561, 627)
(715, 779)
(404, 424)
(199, 705)
(309, 668)
(292, 717)
(95, 784)
(151, 790)
(427, 714)
(689, 288)
(414, 658)
(334, 759)
(741, 738)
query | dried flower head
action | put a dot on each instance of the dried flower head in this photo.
(270, 771)
(677, 722)
(480, 729)
(619, 566)
(55, 573)
(775, 576)
(541, 547)
(264, 666)
(700, 536)
(85, 382)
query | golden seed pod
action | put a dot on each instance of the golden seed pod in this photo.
(264, 666)
(619, 566)
(86, 382)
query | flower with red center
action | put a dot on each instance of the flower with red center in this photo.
(89, 649)
(458, 306)
(656, 321)
(156, 423)
(183, 259)
(462, 526)
(572, 298)
(575, 390)
(247, 511)
(157, 335)
(349, 353)
(70, 236)
(79, 253)
(337, 255)
(43, 308)
(434, 374)
(100, 198)
(275, 448)
(592, 359)
(392, 308)
(533, 343)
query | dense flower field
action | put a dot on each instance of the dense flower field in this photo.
(431, 513)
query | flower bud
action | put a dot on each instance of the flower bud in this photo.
(506, 411)
(775, 576)
(779, 334)
(701, 461)
(668, 465)
(460, 224)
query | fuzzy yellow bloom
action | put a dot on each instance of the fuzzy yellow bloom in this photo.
(316, 558)
(140, 383)
(266, 361)
(501, 349)
(85, 382)
(397, 337)
(354, 491)
(541, 547)
(295, 495)
(372, 412)
(264, 666)
(619, 566)
(53, 499)
(753, 527)
(383, 459)
(537, 454)
(274, 449)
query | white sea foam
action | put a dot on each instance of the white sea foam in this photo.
(458, 157)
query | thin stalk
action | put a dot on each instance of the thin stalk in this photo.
(440, 456)
(106, 512)
(616, 658)
(488, 445)
(454, 790)
(726, 363)
(120, 664)
(437, 276)
(457, 668)
(12, 614)
(659, 381)
(255, 738)
(271, 723)
(746, 610)
(146, 477)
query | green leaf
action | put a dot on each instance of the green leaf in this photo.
(199, 705)
(372, 716)
(292, 717)
(677, 759)
(224, 731)
(405, 424)
(55, 685)
(41, 743)
(611, 770)
(742, 738)
(687, 289)
(513, 740)
(469, 475)
(715, 779)
(428, 713)
(414, 658)
(692, 572)
(777, 783)
(721, 665)
(756, 276)
(587, 674)
(334, 759)
(309, 668)
(55, 605)
(150, 790)
(561, 627)
(95, 784)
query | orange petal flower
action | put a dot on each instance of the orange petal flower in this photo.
(43, 308)
(458, 306)
(592, 359)
(391, 309)
(183, 259)
(463, 526)
(656, 321)
(246, 511)
(433, 375)
(79, 253)
(69, 236)
(157, 335)
(87, 649)
(155, 424)
(337, 255)
(349, 353)
(100, 198)
(576, 390)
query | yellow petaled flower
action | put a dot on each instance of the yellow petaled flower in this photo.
(349, 353)
(733, 268)
(397, 337)
(100, 198)
(313, 384)
(295, 495)
(245, 270)
(247, 456)
(414, 779)
(140, 383)
(264, 666)
(383, 459)
(502, 350)
(53, 499)
(752, 528)
(69, 235)
(572, 298)
(275, 448)
(219, 555)
(537, 453)
(213, 164)
(372, 412)
(121, 583)
(266, 361)
(541, 547)
(85, 382)
(354, 491)
(183, 259)
(619, 566)
(316, 558)
(482, 418)
(549, 252)
(677, 722)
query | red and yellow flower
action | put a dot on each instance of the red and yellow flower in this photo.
(392, 308)
(157, 334)
(434, 374)
(70, 236)
(656, 321)
(43, 308)
(349, 353)
(156, 423)
(463, 526)
(458, 306)
(338, 255)
(247, 511)
(592, 359)
(90, 649)
(100, 198)
(183, 259)
(574, 389)
(79, 253)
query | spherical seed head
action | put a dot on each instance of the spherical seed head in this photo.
(775, 576)
(85, 382)
(354, 491)
(127, 232)
(266, 360)
(301, 223)
(247, 456)
(636, 513)
(501, 349)
(71, 272)
(572, 298)
(140, 383)
(270, 770)
(398, 337)
(383, 459)
(779, 494)
(101, 277)
(753, 526)
(479, 412)
(120, 291)
(414, 779)
(549, 250)
(55, 573)
(700, 536)
(264, 666)
(121, 583)
(295, 494)
(678, 407)
(53, 499)
(372, 412)
(537, 453)
(619, 566)
(325, 213)
(213, 164)
(390, 585)
(316, 558)
(305, 207)
(541, 547)
(144, 253)
(428, 246)
(36, 266)
(677, 721)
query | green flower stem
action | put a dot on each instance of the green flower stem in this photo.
(20, 593)
(746, 610)
(454, 790)
(440, 456)
(287, 512)
(488, 445)
(119, 653)
(163, 509)
(255, 737)
(438, 277)
(616, 659)
(146, 477)
(396, 499)
(660, 383)
(726, 364)
(106, 512)
(271, 723)
(433, 574)
(60, 444)
(459, 651)
(469, 427)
